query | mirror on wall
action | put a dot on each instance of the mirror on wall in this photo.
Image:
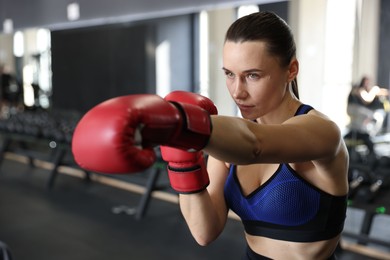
(25, 60)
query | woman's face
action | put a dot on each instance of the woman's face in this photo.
(254, 78)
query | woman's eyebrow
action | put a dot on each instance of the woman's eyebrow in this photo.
(245, 71)
(252, 70)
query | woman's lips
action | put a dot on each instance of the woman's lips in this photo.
(244, 107)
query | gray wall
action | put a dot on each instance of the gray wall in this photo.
(178, 31)
(384, 43)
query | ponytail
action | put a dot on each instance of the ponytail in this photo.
(294, 86)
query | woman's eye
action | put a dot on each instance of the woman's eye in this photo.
(253, 76)
(229, 74)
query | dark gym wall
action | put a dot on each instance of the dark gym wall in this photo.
(93, 64)
(384, 43)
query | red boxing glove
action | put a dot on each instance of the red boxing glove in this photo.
(187, 170)
(118, 135)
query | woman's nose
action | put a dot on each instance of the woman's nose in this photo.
(240, 89)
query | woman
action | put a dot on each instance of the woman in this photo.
(369, 95)
(287, 176)
(282, 167)
(367, 109)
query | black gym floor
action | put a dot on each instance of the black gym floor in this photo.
(78, 220)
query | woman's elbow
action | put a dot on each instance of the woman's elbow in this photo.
(206, 236)
(205, 239)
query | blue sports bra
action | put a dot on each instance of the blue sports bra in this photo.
(287, 207)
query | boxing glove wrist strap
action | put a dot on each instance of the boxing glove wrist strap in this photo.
(188, 180)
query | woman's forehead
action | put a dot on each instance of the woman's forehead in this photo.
(250, 54)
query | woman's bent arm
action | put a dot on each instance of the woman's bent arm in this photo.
(206, 212)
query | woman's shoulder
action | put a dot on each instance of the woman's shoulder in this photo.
(316, 121)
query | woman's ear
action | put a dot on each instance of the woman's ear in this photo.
(293, 69)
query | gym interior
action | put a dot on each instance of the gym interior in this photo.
(60, 58)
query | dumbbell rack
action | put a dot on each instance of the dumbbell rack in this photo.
(369, 187)
(26, 146)
(24, 132)
(47, 137)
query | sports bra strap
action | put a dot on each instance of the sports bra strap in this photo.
(303, 109)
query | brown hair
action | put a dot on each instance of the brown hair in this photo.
(270, 28)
